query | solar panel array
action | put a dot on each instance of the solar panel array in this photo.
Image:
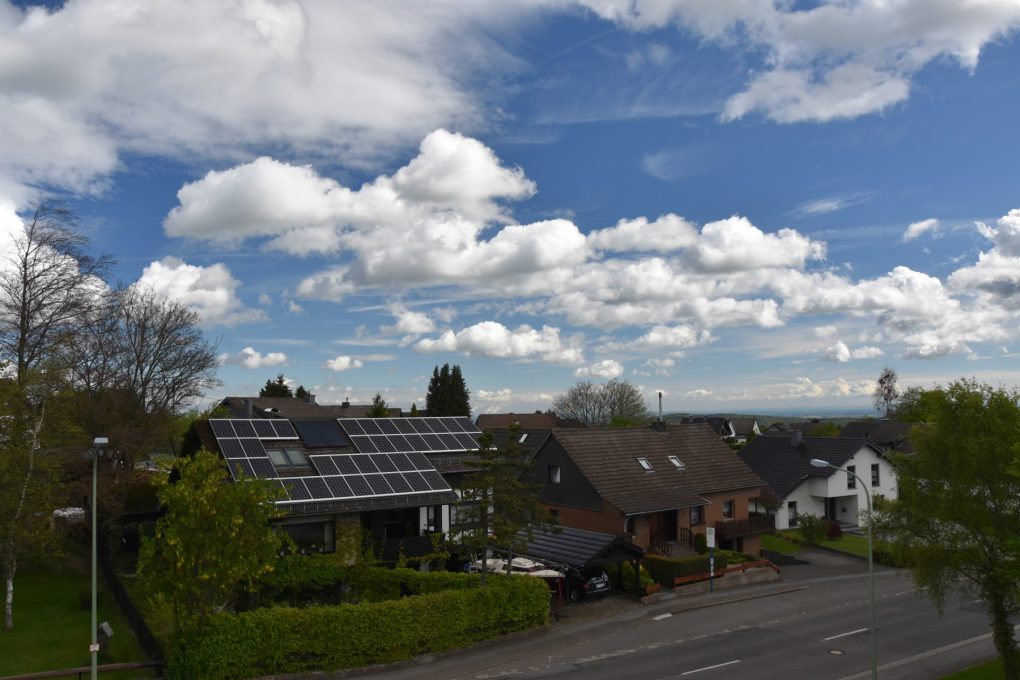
(404, 435)
(342, 476)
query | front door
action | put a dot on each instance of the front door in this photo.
(830, 508)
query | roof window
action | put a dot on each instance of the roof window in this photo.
(677, 463)
(643, 462)
(523, 437)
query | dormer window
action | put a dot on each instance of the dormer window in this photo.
(645, 465)
(677, 463)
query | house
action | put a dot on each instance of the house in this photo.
(527, 421)
(889, 435)
(394, 478)
(784, 462)
(744, 428)
(656, 487)
(720, 425)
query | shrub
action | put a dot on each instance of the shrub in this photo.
(812, 528)
(287, 640)
(623, 576)
(665, 570)
(700, 544)
(834, 531)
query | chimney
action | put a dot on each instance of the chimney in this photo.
(310, 398)
(248, 409)
(660, 407)
(346, 403)
(796, 439)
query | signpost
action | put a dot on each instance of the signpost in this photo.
(710, 542)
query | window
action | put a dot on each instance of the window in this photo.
(523, 437)
(645, 465)
(554, 474)
(727, 508)
(697, 516)
(554, 515)
(677, 463)
(851, 481)
(874, 474)
(287, 457)
(791, 511)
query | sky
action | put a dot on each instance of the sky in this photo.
(746, 206)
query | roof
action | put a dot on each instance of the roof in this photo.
(292, 407)
(776, 459)
(743, 426)
(608, 458)
(577, 547)
(528, 421)
(889, 434)
(720, 425)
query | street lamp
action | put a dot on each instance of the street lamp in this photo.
(99, 444)
(818, 462)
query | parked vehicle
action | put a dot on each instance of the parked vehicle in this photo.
(584, 583)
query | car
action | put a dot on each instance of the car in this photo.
(582, 583)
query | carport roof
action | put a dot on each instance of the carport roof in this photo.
(578, 547)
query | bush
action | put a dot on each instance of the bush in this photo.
(812, 529)
(834, 531)
(287, 640)
(700, 544)
(623, 576)
(665, 570)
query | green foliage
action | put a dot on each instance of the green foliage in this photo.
(812, 528)
(700, 544)
(665, 569)
(215, 535)
(301, 393)
(287, 640)
(826, 430)
(916, 405)
(276, 388)
(956, 517)
(379, 408)
(448, 394)
(623, 576)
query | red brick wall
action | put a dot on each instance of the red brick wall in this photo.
(608, 520)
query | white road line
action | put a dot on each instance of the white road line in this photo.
(660, 617)
(708, 668)
(853, 632)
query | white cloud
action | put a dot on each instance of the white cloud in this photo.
(250, 358)
(830, 204)
(917, 228)
(342, 363)
(294, 308)
(734, 244)
(671, 337)
(494, 396)
(667, 233)
(840, 353)
(409, 322)
(490, 338)
(607, 368)
(825, 331)
(210, 291)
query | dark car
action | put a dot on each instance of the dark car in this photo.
(582, 583)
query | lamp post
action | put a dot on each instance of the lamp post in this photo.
(817, 462)
(99, 444)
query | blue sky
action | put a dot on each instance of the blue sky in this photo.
(748, 207)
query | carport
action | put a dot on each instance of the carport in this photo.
(558, 546)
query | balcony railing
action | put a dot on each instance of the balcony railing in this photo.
(734, 528)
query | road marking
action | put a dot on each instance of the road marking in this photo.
(708, 668)
(853, 632)
(660, 617)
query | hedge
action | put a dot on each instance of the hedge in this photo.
(665, 570)
(289, 640)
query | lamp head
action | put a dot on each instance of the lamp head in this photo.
(101, 443)
(818, 462)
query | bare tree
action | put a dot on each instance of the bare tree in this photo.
(47, 282)
(616, 403)
(886, 391)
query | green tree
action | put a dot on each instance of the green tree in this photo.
(379, 408)
(214, 536)
(498, 501)
(448, 394)
(276, 388)
(826, 430)
(414, 410)
(956, 517)
(617, 403)
(915, 405)
(301, 392)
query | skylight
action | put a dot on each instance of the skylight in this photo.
(643, 462)
(677, 463)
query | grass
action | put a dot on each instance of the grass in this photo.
(780, 544)
(986, 671)
(788, 542)
(52, 630)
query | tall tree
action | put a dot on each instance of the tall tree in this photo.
(448, 394)
(379, 408)
(886, 391)
(956, 516)
(498, 501)
(301, 393)
(617, 403)
(214, 536)
(47, 283)
(276, 388)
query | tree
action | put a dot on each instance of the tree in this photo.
(498, 501)
(379, 408)
(276, 388)
(826, 430)
(301, 393)
(47, 284)
(617, 403)
(914, 405)
(956, 517)
(448, 394)
(414, 410)
(214, 535)
(886, 391)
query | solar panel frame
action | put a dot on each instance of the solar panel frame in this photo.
(339, 487)
(351, 426)
(401, 462)
(387, 425)
(284, 430)
(364, 444)
(417, 482)
(253, 448)
(466, 441)
(324, 465)
(222, 429)
(263, 429)
(399, 484)
(263, 468)
(435, 480)
(366, 464)
(380, 487)
(318, 488)
(359, 487)
(403, 426)
(231, 448)
(370, 426)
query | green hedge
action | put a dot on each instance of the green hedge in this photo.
(665, 570)
(288, 640)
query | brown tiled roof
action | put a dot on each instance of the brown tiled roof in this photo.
(527, 421)
(890, 434)
(299, 409)
(608, 458)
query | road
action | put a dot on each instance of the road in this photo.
(811, 624)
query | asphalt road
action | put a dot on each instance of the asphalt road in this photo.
(811, 624)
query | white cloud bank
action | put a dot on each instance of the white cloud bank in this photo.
(210, 291)
(250, 358)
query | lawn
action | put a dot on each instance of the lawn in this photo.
(788, 543)
(986, 671)
(780, 544)
(52, 629)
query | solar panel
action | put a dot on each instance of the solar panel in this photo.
(240, 467)
(297, 489)
(387, 426)
(419, 461)
(433, 442)
(400, 443)
(403, 426)
(284, 430)
(370, 426)
(466, 424)
(450, 442)
(262, 467)
(351, 426)
(317, 487)
(384, 463)
(382, 443)
(264, 429)
(435, 480)
(416, 481)
(398, 483)
(253, 448)
(346, 465)
(364, 444)
(420, 426)
(324, 465)
(231, 448)
(416, 442)
(365, 464)
(380, 486)
(244, 428)
(338, 487)
(321, 433)
(401, 462)
(222, 428)
(466, 441)
(359, 487)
